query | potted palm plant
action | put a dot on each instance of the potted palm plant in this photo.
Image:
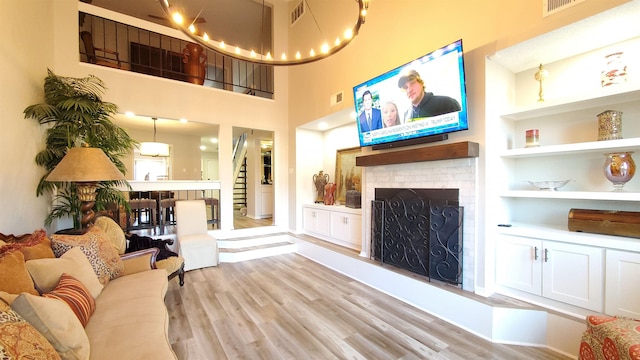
(75, 114)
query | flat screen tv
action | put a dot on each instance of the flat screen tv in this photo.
(420, 101)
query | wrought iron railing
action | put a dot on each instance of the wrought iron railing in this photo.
(111, 43)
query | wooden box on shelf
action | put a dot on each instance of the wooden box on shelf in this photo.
(609, 222)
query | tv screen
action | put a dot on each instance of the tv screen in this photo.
(423, 98)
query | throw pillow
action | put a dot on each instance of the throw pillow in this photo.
(41, 249)
(46, 273)
(113, 231)
(56, 322)
(104, 258)
(14, 277)
(20, 340)
(34, 246)
(76, 295)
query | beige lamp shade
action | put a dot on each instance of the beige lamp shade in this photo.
(85, 164)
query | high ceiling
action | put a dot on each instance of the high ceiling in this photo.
(236, 22)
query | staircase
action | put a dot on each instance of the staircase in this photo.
(242, 249)
(240, 187)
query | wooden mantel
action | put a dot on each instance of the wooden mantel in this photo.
(459, 150)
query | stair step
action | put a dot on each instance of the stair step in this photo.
(236, 250)
(240, 243)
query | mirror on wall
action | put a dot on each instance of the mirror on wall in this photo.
(192, 149)
(253, 196)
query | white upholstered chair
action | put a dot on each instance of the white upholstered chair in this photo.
(195, 245)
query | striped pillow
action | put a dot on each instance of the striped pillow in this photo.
(71, 291)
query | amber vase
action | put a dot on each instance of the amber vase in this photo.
(619, 168)
(195, 61)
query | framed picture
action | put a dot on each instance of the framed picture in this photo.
(348, 175)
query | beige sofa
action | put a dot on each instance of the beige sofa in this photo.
(128, 321)
(131, 320)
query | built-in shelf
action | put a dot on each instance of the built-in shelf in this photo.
(573, 195)
(606, 97)
(459, 150)
(621, 145)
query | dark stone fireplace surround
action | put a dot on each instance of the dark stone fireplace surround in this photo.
(442, 166)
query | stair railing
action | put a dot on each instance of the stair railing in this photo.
(239, 153)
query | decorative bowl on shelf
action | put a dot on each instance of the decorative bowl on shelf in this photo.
(549, 185)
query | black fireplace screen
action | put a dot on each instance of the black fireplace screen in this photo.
(419, 230)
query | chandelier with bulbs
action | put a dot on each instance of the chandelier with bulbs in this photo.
(324, 49)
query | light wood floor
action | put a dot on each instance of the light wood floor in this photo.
(288, 307)
(243, 222)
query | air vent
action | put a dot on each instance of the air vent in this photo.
(336, 98)
(550, 7)
(297, 12)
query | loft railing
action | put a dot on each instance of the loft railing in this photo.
(110, 43)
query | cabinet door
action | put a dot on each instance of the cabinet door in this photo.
(623, 277)
(323, 222)
(346, 228)
(518, 264)
(339, 226)
(355, 230)
(573, 274)
(309, 222)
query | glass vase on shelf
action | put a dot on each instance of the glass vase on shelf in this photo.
(619, 168)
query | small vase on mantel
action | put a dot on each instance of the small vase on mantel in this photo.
(619, 168)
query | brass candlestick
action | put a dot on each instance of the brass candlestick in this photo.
(540, 75)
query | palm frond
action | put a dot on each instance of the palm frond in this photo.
(75, 113)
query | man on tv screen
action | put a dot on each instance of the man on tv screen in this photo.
(370, 118)
(424, 104)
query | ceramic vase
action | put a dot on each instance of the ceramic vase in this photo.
(195, 61)
(619, 168)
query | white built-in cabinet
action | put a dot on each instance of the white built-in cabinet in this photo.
(623, 283)
(536, 257)
(338, 224)
(570, 273)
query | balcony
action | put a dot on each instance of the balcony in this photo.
(124, 46)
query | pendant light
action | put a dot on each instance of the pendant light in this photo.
(155, 149)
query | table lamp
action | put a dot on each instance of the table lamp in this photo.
(85, 166)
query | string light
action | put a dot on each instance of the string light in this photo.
(251, 56)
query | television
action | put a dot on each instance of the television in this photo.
(386, 114)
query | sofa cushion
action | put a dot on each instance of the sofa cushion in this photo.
(55, 320)
(14, 277)
(113, 232)
(20, 340)
(102, 255)
(73, 293)
(46, 272)
(131, 304)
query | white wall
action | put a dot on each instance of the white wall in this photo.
(25, 54)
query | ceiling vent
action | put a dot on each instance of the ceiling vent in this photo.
(336, 98)
(550, 7)
(297, 12)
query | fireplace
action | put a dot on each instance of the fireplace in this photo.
(419, 230)
(446, 166)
